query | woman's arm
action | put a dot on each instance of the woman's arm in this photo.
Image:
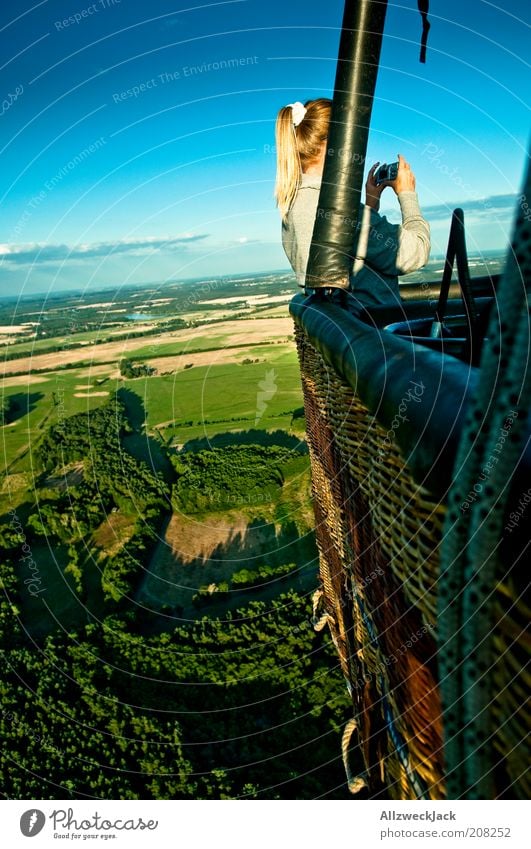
(392, 248)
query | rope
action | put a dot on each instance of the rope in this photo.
(417, 783)
(468, 563)
(483, 569)
(355, 783)
(318, 624)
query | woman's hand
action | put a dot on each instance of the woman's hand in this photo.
(404, 182)
(405, 179)
(372, 191)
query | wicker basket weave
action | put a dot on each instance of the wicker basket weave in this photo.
(378, 569)
(378, 534)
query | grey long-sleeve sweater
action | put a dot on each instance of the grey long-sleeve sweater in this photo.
(384, 250)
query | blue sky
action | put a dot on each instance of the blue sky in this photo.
(137, 139)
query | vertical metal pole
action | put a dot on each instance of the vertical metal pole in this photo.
(335, 232)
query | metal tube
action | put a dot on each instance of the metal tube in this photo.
(335, 231)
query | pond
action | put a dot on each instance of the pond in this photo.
(139, 316)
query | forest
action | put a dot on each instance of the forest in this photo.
(235, 473)
(248, 707)
(122, 704)
(112, 479)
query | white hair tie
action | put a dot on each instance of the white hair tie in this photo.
(298, 110)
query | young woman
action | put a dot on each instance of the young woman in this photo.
(384, 250)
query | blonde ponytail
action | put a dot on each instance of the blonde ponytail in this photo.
(288, 163)
(297, 147)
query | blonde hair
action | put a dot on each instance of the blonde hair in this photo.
(298, 147)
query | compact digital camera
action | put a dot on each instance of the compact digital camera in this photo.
(386, 172)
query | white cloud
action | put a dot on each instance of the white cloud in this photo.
(40, 252)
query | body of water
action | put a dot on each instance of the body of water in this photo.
(139, 316)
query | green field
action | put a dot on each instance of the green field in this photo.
(198, 403)
(198, 343)
(224, 392)
(207, 395)
(41, 404)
